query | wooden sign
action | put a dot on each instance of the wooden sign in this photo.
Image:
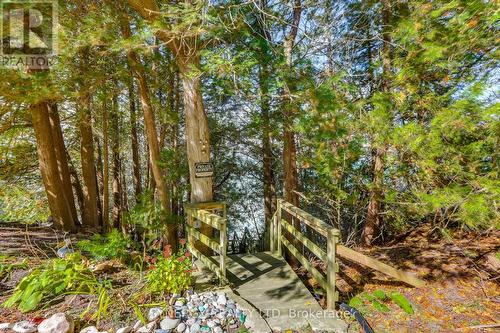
(203, 169)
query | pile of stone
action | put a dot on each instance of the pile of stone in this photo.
(58, 323)
(208, 312)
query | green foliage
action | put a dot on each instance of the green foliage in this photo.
(22, 204)
(378, 300)
(7, 266)
(402, 302)
(147, 216)
(56, 278)
(113, 245)
(170, 273)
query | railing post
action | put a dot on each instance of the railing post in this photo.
(331, 267)
(223, 246)
(272, 236)
(278, 228)
(189, 222)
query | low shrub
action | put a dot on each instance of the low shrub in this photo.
(6, 266)
(59, 277)
(378, 300)
(113, 245)
(170, 273)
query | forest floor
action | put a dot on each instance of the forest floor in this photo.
(461, 295)
(462, 291)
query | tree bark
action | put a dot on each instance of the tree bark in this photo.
(62, 161)
(136, 166)
(152, 137)
(290, 173)
(174, 101)
(90, 191)
(267, 154)
(105, 168)
(58, 203)
(100, 180)
(197, 137)
(268, 178)
(186, 53)
(373, 219)
(77, 185)
(115, 148)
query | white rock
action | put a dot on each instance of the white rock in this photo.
(58, 323)
(137, 325)
(125, 329)
(181, 328)
(169, 324)
(195, 328)
(6, 326)
(148, 328)
(24, 327)
(218, 329)
(154, 313)
(89, 329)
(221, 299)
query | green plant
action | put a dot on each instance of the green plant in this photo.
(7, 267)
(59, 277)
(170, 273)
(402, 302)
(146, 216)
(378, 300)
(110, 246)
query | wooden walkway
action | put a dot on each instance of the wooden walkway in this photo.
(275, 294)
(272, 293)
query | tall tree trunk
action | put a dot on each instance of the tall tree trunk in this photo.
(290, 173)
(105, 168)
(267, 154)
(186, 53)
(152, 137)
(77, 185)
(197, 131)
(90, 191)
(115, 148)
(197, 137)
(125, 204)
(136, 166)
(175, 144)
(100, 180)
(58, 203)
(62, 161)
(269, 187)
(373, 219)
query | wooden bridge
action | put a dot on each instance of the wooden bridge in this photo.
(271, 290)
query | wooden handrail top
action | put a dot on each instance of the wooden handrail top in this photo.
(320, 226)
(206, 205)
(205, 216)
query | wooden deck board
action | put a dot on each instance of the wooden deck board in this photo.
(272, 288)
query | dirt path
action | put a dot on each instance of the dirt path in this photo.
(31, 240)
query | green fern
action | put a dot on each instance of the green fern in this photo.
(402, 302)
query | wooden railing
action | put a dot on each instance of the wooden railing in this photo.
(205, 213)
(333, 249)
(332, 235)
